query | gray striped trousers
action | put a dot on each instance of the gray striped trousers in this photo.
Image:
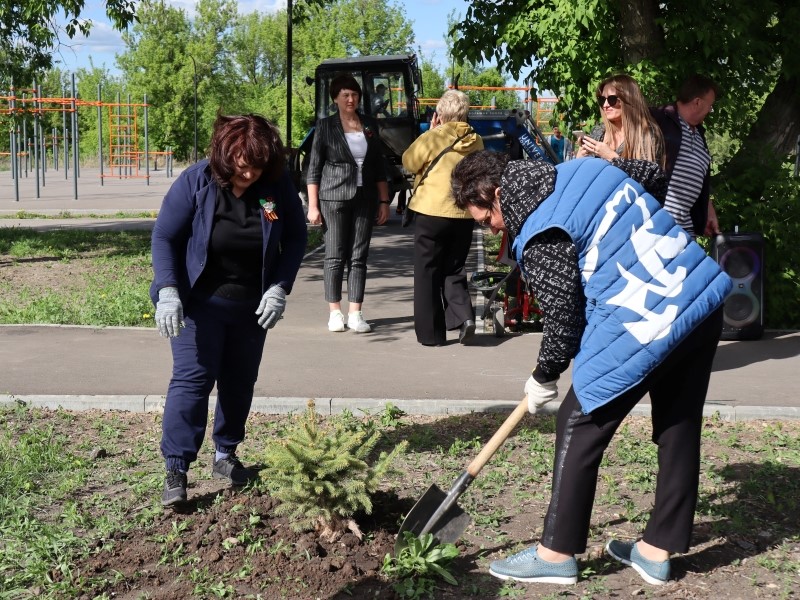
(348, 230)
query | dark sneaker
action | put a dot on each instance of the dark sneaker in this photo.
(174, 489)
(526, 566)
(232, 469)
(652, 571)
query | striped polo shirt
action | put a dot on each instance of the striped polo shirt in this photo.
(686, 183)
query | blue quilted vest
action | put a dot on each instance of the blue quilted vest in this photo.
(647, 285)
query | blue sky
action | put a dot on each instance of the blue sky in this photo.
(429, 19)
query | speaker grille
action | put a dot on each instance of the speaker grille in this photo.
(741, 256)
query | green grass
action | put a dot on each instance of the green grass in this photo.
(59, 505)
(80, 277)
(65, 214)
(39, 471)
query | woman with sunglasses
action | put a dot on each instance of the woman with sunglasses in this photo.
(627, 131)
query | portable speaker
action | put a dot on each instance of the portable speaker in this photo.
(741, 256)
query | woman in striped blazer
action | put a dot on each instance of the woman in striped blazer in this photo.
(347, 193)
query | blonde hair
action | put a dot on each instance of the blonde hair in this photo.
(643, 138)
(453, 106)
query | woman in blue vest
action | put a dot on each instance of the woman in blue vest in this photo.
(227, 245)
(628, 297)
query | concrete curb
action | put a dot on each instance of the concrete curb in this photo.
(332, 406)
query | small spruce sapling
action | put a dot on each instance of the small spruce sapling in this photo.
(322, 475)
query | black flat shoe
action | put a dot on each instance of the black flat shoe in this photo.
(466, 332)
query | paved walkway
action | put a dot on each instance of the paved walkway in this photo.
(129, 368)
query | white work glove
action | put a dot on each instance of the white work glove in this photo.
(271, 307)
(169, 312)
(539, 394)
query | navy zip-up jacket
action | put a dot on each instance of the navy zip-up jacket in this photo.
(183, 230)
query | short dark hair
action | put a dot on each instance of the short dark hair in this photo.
(344, 81)
(696, 86)
(476, 177)
(250, 138)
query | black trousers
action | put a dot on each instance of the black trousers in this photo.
(441, 294)
(348, 232)
(677, 390)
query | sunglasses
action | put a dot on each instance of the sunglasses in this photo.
(612, 100)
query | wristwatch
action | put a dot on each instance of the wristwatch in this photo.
(385, 201)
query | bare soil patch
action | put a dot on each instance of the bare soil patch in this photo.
(228, 542)
(43, 272)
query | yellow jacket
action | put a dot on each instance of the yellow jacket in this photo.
(433, 196)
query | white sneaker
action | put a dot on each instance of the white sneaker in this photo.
(356, 322)
(336, 321)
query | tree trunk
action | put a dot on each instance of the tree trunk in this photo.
(772, 137)
(641, 36)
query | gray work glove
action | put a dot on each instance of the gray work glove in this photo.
(169, 312)
(539, 394)
(271, 307)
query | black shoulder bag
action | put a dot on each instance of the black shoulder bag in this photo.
(408, 214)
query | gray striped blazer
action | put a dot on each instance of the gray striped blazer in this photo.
(333, 167)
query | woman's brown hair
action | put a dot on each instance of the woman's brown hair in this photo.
(643, 138)
(251, 139)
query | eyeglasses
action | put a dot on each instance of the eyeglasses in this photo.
(487, 220)
(612, 100)
(710, 104)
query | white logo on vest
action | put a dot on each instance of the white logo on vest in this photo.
(652, 251)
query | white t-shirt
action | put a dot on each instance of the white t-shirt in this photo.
(358, 148)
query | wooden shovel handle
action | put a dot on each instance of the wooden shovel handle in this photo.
(498, 438)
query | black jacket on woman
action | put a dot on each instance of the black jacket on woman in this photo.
(333, 167)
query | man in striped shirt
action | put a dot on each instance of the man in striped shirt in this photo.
(688, 164)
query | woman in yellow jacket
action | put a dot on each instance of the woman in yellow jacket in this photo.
(443, 232)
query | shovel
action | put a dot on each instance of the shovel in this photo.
(438, 513)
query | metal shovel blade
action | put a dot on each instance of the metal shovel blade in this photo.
(446, 530)
(437, 512)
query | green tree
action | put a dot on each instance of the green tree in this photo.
(751, 50)
(155, 63)
(258, 55)
(29, 31)
(370, 27)
(433, 82)
(468, 72)
(210, 44)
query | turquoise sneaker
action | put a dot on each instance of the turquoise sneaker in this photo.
(654, 572)
(526, 566)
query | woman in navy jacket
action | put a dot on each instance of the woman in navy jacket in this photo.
(347, 193)
(227, 246)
